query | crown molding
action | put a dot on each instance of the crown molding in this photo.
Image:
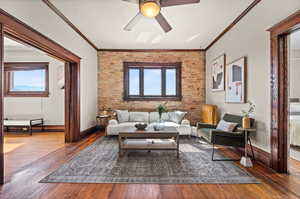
(151, 50)
(239, 18)
(65, 19)
(227, 29)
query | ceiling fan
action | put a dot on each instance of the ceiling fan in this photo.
(152, 9)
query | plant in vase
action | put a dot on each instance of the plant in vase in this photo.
(162, 108)
(246, 115)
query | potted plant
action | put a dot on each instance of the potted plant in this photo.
(246, 115)
(162, 108)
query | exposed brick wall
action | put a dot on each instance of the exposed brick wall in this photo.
(110, 80)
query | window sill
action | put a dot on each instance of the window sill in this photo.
(179, 98)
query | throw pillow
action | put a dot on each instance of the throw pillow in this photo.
(123, 116)
(226, 126)
(176, 116)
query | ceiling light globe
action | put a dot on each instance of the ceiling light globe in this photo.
(150, 9)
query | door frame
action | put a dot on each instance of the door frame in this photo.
(279, 90)
(16, 29)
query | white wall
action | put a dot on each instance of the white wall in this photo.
(50, 108)
(294, 72)
(36, 14)
(250, 38)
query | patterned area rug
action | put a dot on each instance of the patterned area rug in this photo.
(100, 163)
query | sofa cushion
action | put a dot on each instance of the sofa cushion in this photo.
(166, 125)
(154, 117)
(226, 126)
(176, 116)
(139, 117)
(123, 115)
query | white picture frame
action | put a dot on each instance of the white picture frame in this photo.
(236, 81)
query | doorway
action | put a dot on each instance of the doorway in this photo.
(294, 102)
(280, 91)
(17, 30)
(33, 105)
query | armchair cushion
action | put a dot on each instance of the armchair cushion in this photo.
(226, 133)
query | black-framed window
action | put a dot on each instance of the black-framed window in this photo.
(152, 81)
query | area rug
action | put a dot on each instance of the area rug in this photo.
(100, 163)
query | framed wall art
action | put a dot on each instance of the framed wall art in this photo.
(218, 74)
(236, 81)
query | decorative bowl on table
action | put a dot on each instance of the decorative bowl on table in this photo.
(141, 126)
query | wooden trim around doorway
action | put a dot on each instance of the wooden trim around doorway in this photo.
(19, 31)
(279, 90)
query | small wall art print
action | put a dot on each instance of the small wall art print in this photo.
(218, 74)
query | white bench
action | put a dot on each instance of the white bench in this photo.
(27, 123)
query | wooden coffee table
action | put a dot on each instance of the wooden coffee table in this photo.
(167, 139)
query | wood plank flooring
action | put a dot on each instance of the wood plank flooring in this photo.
(21, 149)
(24, 183)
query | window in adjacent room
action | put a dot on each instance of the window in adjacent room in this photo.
(23, 79)
(152, 81)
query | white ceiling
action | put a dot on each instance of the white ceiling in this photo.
(194, 26)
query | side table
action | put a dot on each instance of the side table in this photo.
(245, 160)
(102, 121)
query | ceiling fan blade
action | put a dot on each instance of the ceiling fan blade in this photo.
(163, 23)
(167, 3)
(133, 22)
(132, 1)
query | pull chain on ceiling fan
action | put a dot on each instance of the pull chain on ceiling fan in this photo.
(152, 9)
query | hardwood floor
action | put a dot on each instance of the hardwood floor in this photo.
(24, 183)
(21, 149)
(294, 167)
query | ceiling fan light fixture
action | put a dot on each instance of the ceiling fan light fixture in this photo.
(150, 9)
